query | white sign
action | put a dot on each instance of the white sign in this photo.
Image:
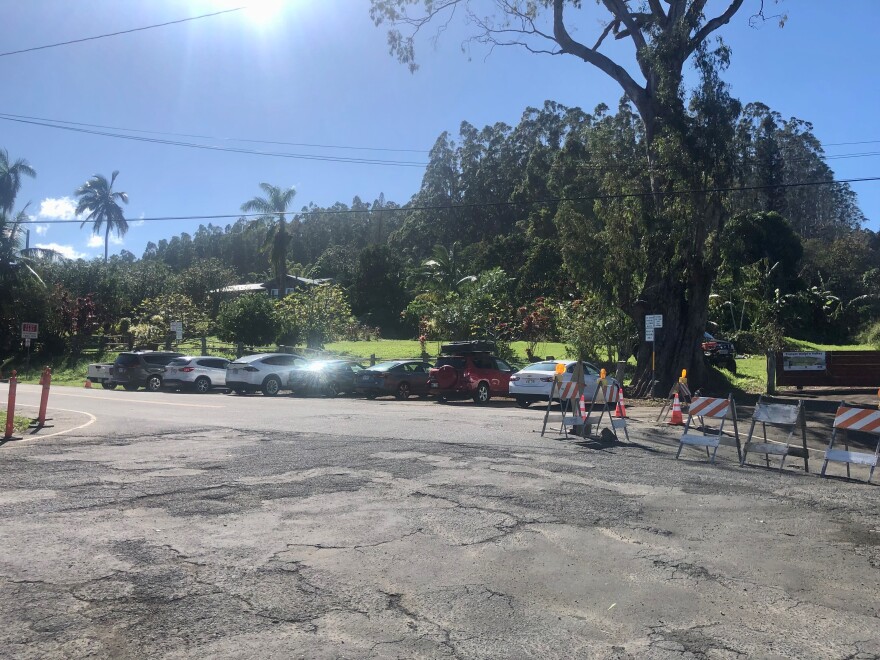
(177, 326)
(649, 334)
(27, 342)
(653, 321)
(803, 361)
(29, 330)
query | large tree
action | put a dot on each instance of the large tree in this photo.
(274, 206)
(97, 197)
(685, 143)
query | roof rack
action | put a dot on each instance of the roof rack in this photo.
(474, 346)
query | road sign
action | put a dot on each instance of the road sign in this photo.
(177, 328)
(27, 342)
(30, 330)
(649, 334)
(653, 321)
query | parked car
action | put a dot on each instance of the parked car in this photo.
(469, 369)
(199, 373)
(402, 378)
(533, 384)
(134, 369)
(265, 372)
(719, 352)
(100, 373)
(327, 377)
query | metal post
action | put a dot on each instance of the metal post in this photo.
(10, 406)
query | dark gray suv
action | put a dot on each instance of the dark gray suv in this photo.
(141, 369)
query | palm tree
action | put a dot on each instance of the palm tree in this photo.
(12, 256)
(98, 198)
(274, 206)
(10, 179)
(442, 273)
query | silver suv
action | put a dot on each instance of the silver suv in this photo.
(267, 372)
(199, 373)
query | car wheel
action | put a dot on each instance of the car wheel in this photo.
(130, 387)
(481, 395)
(203, 385)
(154, 384)
(403, 391)
(371, 396)
(107, 385)
(271, 386)
(523, 402)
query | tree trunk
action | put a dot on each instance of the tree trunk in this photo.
(106, 241)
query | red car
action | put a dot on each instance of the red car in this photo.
(401, 378)
(468, 369)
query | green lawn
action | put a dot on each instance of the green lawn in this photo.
(387, 349)
(801, 345)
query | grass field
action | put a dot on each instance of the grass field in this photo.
(387, 349)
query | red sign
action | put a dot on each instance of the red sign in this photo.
(29, 330)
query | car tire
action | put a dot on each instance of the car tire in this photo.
(523, 402)
(271, 386)
(107, 385)
(481, 394)
(154, 384)
(403, 392)
(130, 387)
(370, 396)
(203, 385)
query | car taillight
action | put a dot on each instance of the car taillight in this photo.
(547, 379)
(251, 369)
(186, 370)
(514, 378)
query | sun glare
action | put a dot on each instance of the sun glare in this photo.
(263, 12)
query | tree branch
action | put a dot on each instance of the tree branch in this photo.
(713, 25)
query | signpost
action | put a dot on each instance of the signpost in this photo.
(177, 328)
(652, 322)
(29, 331)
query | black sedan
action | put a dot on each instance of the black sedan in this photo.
(401, 378)
(327, 377)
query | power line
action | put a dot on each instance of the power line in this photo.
(207, 147)
(452, 207)
(209, 137)
(116, 34)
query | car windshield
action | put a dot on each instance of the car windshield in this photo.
(541, 366)
(384, 366)
(457, 362)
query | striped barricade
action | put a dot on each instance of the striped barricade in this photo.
(782, 416)
(849, 418)
(710, 408)
(604, 402)
(570, 416)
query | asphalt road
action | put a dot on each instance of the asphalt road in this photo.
(170, 525)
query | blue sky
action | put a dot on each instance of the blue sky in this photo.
(318, 72)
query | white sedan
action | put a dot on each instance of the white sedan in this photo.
(532, 384)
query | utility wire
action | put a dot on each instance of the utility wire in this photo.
(116, 34)
(452, 207)
(207, 147)
(209, 137)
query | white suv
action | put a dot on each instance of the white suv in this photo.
(264, 371)
(199, 373)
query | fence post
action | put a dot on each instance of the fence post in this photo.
(10, 406)
(372, 359)
(771, 372)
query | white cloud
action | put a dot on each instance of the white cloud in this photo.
(58, 208)
(63, 250)
(41, 229)
(95, 241)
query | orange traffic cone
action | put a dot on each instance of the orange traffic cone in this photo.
(88, 384)
(620, 411)
(676, 419)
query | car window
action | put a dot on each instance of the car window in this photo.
(501, 365)
(591, 369)
(158, 359)
(179, 362)
(419, 368)
(457, 362)
(281, 360)
(212, 363)
(483, 362)
(127, 360)
(541, 366)
(397, 368)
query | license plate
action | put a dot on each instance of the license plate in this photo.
(530, 381)
(122, 370)
(435, 385)
(365, 378)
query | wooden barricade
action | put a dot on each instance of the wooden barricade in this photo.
(568, 394)
(604, 402)
(684, 396)
(779, 415)
(850, 418)
(704, 407)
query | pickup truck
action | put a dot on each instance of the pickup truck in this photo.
(100, 373)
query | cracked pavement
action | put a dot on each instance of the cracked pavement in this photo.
(228, 527)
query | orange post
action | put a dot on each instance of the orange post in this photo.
(10, 406)
(46, 382)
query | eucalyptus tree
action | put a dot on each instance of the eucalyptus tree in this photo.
(274, 206)
(684, 143)
(97, 198)
(11, 173)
